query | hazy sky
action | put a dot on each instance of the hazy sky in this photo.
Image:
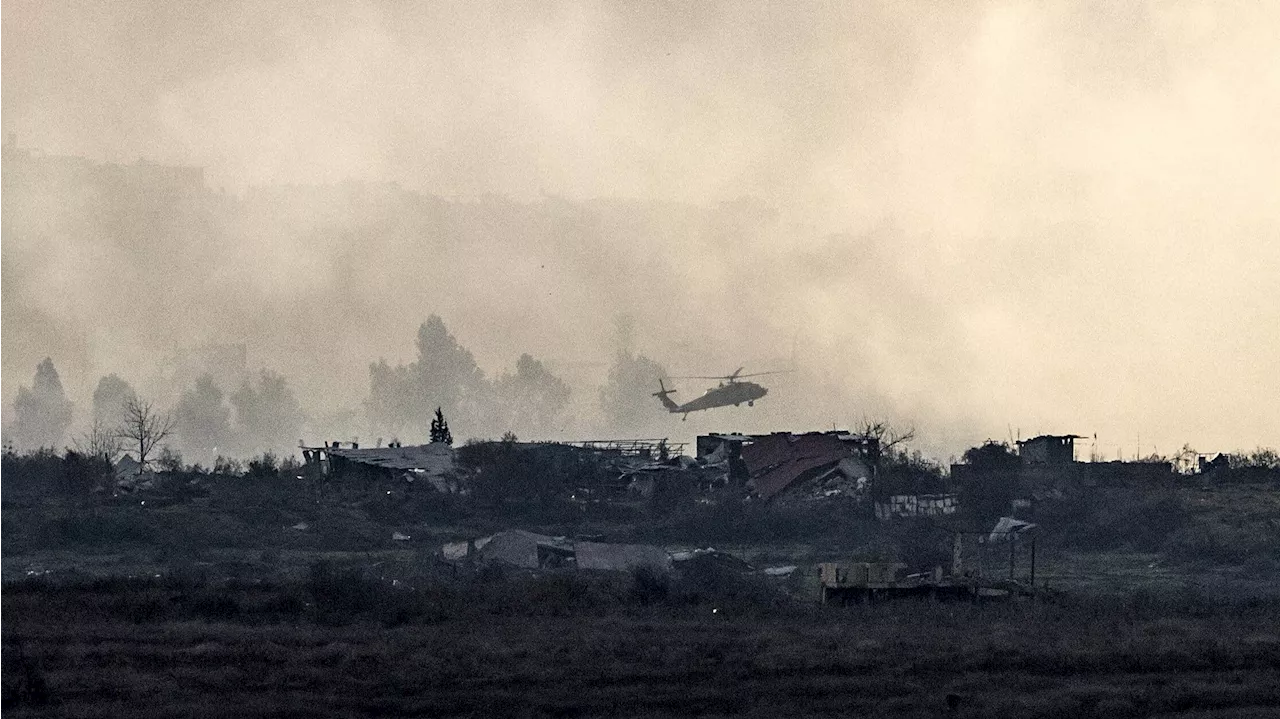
(1045, 216)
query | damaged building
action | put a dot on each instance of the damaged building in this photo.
(432, 464)
(785, 466)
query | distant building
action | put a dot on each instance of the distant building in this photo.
(1048, 449)
(1047, 469)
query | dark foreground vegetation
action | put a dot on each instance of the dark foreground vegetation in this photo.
(266, 592)
(344, 644)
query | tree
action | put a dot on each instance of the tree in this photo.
(445, 374)
(1264, 457)
(268, 416)
(440, 429)
(109, 398)
(626, 397)
(144, 428)
(43, 412)
(530, 402)
(892, 440)
(203, 420)
(102, 441)
(993, 455)
(993, 482)
(391, 406)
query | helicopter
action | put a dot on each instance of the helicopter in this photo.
(731, 391)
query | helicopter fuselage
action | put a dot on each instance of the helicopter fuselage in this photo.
(732, 393)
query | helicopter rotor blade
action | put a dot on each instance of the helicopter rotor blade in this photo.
(730, 377)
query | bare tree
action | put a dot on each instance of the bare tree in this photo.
(101, 442)
(144, 428)
(889, 437)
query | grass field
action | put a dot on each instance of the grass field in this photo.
(549, 647)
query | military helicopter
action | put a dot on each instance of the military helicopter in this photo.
(731, 391)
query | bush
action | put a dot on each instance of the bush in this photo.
(93, 530)
(1109, 519)
(704, 581)
(44, 473)
(1220, 543)
(340, 593)
(342, 596)
(265, 466)
(649, 586)
(840, 523)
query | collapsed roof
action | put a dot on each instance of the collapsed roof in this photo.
(433, 462)
(776, 461)
(436, 457)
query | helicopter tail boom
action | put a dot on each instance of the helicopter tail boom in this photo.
(667, 402)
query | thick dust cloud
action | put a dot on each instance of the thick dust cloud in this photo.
(980, 218)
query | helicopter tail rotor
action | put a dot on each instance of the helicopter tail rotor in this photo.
(662, 393)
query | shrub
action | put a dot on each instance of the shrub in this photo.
(265, 466)
(1108, 519)
(341, 596)
(649, 586)
(1220, 543)
(85, 530)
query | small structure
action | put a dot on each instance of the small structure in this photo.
(526, 549)
(979, 558)
(717, 448)
(1204, 465)
(1045, 469)
(1048, 450)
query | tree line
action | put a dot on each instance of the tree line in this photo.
(530, 401)
(267, 416)
(263, 413)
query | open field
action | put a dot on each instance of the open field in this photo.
(532, 647)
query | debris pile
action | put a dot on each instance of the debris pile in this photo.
(815, 465)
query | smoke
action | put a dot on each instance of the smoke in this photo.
(981, 217)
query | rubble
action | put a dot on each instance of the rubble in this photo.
(778, 462)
